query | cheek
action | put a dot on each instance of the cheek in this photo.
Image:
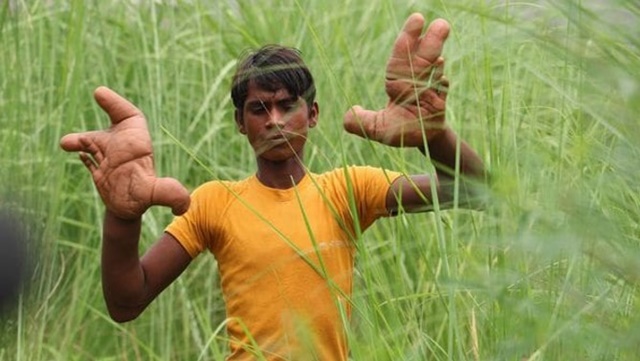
(298, 124)
(252, 127)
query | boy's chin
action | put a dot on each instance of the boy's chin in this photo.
(277, 154)
(278, 151)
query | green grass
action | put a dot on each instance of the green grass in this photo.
(548, 93)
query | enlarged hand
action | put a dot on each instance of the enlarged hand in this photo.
(120, 160)
(416, 88)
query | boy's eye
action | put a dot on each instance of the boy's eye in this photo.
(260, 109)
(290, 105)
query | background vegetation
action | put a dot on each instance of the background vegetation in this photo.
(548, 92)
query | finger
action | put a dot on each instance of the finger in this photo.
(431, 44)
(430, 72)
(361, 122)
(115, 105)
(443, 88)
(437, 71)
(89, 146)
(171, 193)
(71, 142)
(407, 40)
(88, 162)
(433, 102)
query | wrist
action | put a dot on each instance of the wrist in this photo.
(122, 218)
(438, 140)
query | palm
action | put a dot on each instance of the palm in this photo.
(414, 84)
(120, 160)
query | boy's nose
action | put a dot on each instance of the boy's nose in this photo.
(276, 118)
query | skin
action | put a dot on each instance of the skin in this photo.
(415, 117)
(276, 125)
(120, 160)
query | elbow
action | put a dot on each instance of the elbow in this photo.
(123, 306)
(470, 194)
(123, 314)
(477, 200)
(122, 318)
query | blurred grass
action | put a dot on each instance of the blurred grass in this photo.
(547, 92)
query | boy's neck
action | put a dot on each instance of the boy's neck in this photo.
(279, 175)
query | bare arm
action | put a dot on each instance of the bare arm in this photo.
(130, 283)
(414, 193)
(120, 160)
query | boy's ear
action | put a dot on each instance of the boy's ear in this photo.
(239, 122)
(314, 111)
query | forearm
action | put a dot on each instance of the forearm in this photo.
(123, 279)
(444, 153)
(453, 157)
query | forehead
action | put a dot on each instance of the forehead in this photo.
(257, 93)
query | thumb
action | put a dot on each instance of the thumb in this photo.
(361, 122)
(171, 193)
(115, 105)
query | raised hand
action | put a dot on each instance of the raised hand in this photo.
(416, 88)
(120, 160)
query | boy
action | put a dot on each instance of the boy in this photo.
(283, 238)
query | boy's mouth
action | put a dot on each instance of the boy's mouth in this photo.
(280, 135)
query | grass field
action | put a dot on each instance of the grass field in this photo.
(547, 92)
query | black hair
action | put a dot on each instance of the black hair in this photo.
(273, 67)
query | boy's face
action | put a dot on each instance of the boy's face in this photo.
(276, 123)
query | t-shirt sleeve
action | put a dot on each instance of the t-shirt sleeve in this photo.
(370, 188)
(192, 229)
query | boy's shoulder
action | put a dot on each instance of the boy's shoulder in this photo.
(352, 172)
(220, 188)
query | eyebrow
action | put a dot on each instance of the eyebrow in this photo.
(252, 103)
(255, 102)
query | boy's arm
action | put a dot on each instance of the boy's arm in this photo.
(120, 160)
(415, 117)
(130, 283)
(414, 193)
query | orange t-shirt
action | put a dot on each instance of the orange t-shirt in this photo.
(285, 257)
